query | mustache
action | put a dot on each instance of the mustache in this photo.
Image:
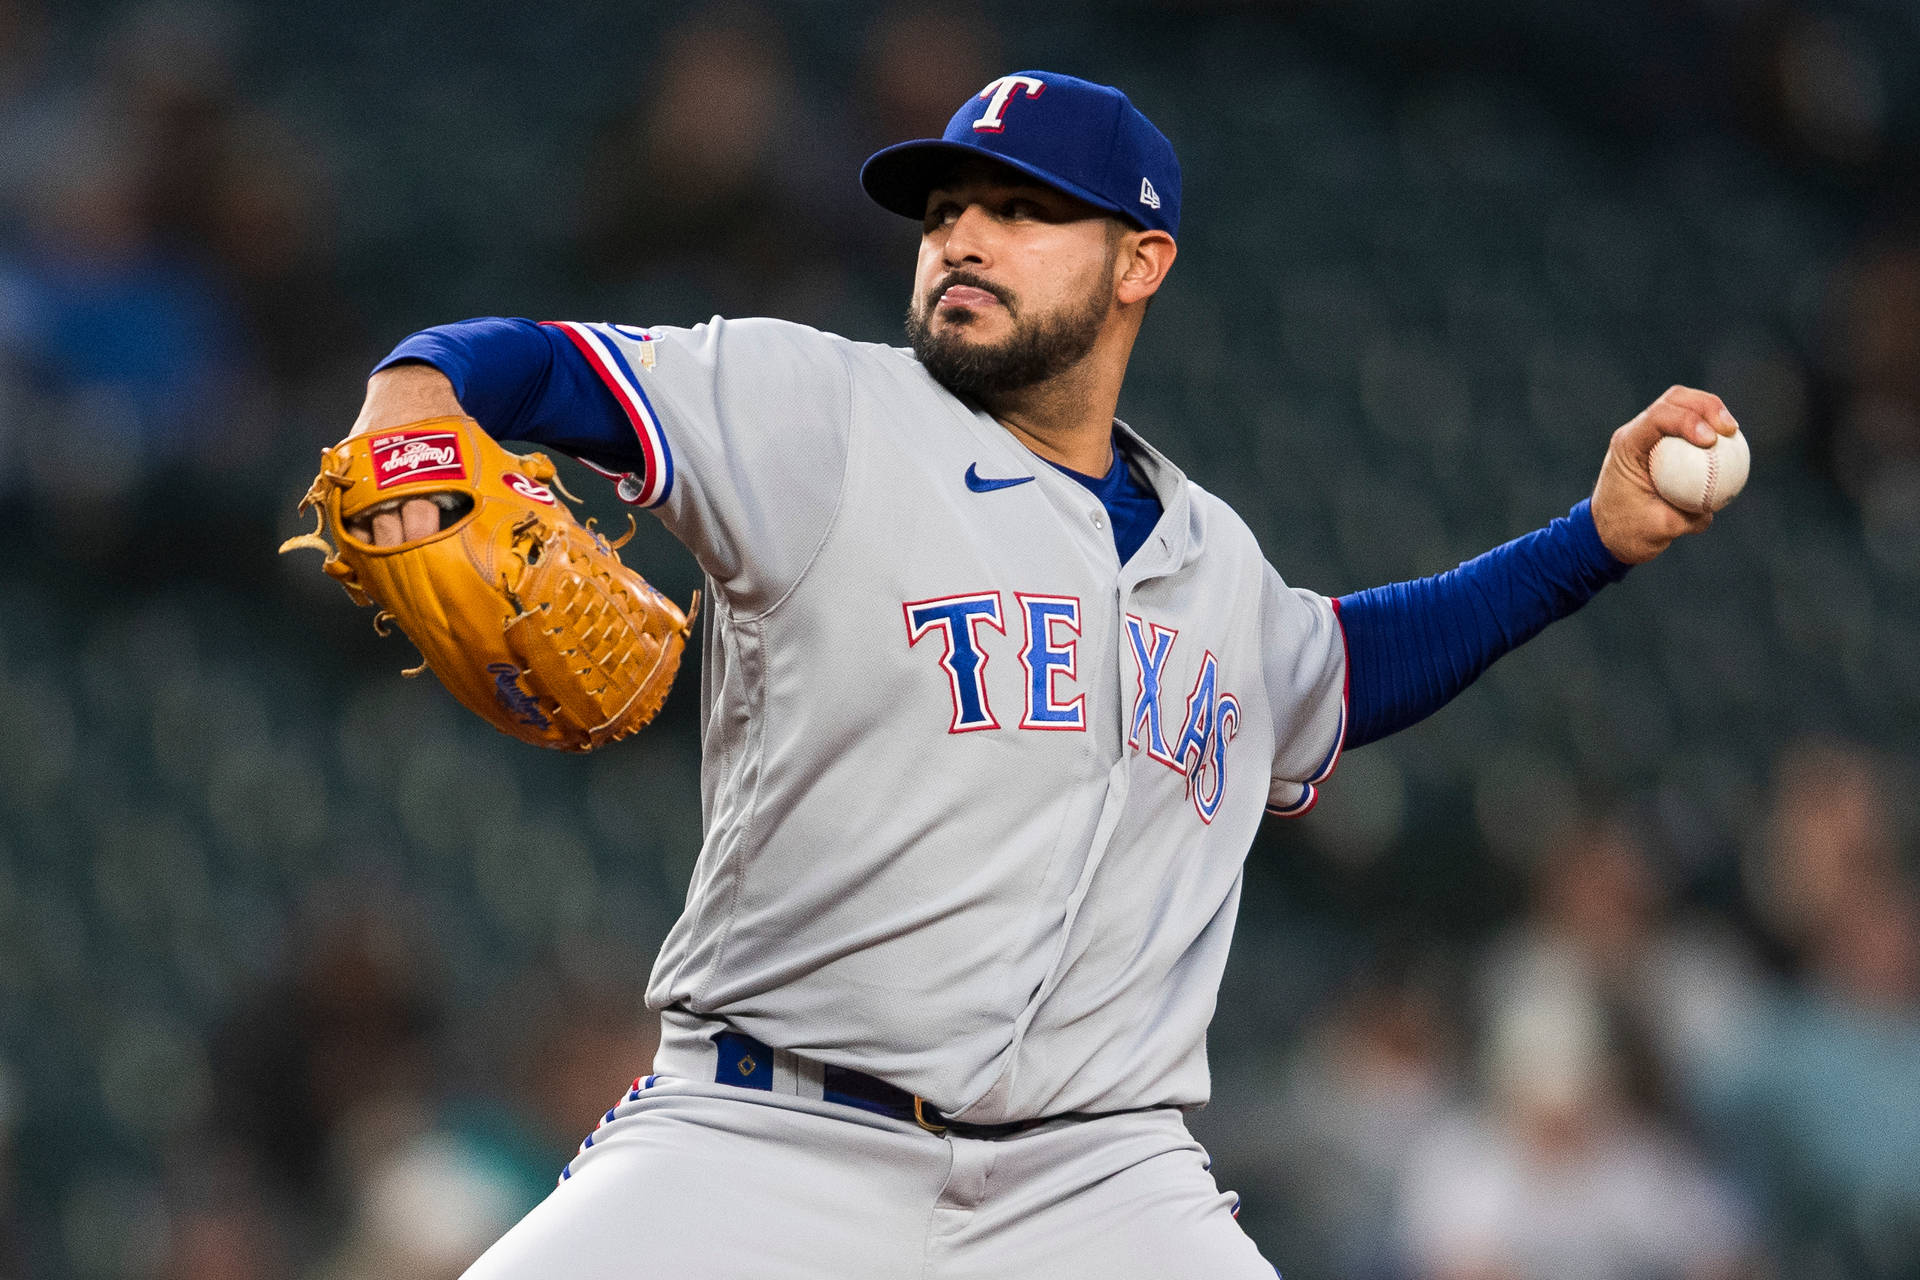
(971, 280)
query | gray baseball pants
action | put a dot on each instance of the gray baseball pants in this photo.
(695, 1181)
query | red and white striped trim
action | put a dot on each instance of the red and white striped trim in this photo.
(650, 487)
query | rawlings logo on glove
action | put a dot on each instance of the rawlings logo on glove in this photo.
(526, 615)
(416, 455)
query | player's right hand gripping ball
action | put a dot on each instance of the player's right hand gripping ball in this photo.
(526, 615)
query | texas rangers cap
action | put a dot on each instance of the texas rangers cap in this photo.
(1073, 135)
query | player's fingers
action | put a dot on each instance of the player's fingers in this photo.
(1670, 522)
(1666, 418)
(419, 518)
(387, 529)
(1707, 405)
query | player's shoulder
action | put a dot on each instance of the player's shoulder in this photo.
(876, 367)
(880, 358)
(1214, 510)
(791, 340)
(1217, 527)
(742, 331)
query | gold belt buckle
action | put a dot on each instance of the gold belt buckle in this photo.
(920, 1118)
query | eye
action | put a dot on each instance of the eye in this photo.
(941, 214)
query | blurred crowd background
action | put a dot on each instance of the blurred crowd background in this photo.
(1610, 971)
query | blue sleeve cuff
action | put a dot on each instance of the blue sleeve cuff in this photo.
(524, 381)
(1591, 554)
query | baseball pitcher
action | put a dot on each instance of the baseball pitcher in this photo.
(993, 700)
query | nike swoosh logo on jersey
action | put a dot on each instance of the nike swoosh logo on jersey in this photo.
(982, 484)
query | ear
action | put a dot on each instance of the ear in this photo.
(1141, 265)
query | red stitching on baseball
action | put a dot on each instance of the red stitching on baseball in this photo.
(1713, 475)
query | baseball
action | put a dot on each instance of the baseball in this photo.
(1696, 479)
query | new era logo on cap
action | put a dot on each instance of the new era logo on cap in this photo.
(1076, 136)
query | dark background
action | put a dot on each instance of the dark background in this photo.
(1612, 969)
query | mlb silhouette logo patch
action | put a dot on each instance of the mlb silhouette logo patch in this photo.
(408, 456)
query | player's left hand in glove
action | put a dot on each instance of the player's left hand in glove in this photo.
(527, 616)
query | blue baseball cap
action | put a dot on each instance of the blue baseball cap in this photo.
(1076, 136)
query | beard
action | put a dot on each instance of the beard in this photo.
(1036, 350)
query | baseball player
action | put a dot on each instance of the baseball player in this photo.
(994, 700)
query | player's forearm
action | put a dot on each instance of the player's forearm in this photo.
(1413, 646)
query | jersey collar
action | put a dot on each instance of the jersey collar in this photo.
(1171, 545)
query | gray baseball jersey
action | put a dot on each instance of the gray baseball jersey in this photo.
(976, 795)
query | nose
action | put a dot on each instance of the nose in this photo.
(968, 239)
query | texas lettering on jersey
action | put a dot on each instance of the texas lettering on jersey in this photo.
(1050, 627)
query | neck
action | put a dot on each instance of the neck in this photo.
(1068, 419)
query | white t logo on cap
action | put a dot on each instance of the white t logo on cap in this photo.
(998, 92)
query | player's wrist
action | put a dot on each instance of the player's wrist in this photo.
(1594, 555)
(403, 393)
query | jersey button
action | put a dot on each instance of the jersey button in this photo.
(1099, 521)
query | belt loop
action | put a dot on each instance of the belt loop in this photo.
(920, 1110)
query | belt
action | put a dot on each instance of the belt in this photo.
(747, 1063)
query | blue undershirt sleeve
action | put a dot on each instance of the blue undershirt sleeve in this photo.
(525, 381)
(1411, 646)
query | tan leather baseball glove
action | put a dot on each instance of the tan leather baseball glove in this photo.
(526, 615)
